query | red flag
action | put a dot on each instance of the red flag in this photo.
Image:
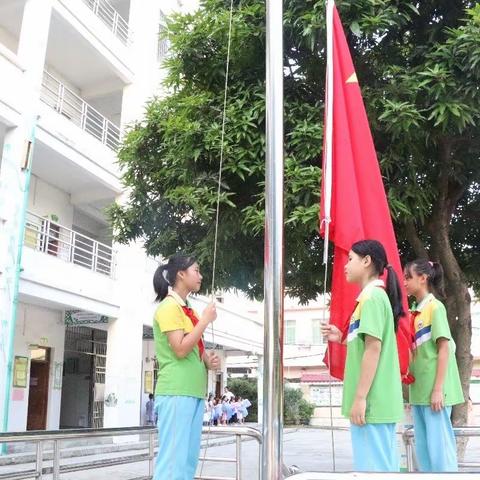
(354, 205)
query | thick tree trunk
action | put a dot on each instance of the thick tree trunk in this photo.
(458, 308)
(456, 287)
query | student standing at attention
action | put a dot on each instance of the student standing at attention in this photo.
(437, 383)
(183, 363)
(372, 390)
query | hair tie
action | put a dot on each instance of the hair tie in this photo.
(431, 264)
(164, 274)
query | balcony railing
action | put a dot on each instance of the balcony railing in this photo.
(111, 18)
(54, 239)
(55, 94)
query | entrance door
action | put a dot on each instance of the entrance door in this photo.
(38, 390)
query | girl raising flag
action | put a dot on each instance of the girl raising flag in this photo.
(372, 390)
(183, 363)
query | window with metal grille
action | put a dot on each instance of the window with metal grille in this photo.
(163, 43)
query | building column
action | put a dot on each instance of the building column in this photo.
(123, 388)
(260, 388)
(123, 379)
(14, 183)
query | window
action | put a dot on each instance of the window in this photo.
(290, 332)
(163, 43)
(320, 395)
(317, 338)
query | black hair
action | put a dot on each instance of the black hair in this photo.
(150, 396)
(166, 274)
(376, 251)
(433, 271)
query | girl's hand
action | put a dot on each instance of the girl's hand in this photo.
(332, 333)
(357, 413)
(436, 400)
(212, 360)
(209, 313)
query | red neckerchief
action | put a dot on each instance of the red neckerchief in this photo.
(194, 319)
(408, 378)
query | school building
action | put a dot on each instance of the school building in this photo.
(76, 306)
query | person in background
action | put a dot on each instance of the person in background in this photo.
(228, 394)
(150, 411)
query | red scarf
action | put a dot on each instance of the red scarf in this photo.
(408, 378)
(191, 315)
(194, 319)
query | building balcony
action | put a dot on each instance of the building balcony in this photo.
(55, 94)
(111, 18)
(51, 238)
(11, 93)
(63, 269)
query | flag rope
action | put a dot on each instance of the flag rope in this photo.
(219, 191)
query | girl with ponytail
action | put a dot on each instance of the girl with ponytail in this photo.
(183, 362)
(372, 390)
(437, 383)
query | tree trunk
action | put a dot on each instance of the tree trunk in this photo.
(456, 287)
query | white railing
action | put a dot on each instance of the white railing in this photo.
(54, 239)
(111, 18)
(43, 440)
(55, 94)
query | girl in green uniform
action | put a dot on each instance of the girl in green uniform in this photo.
(437, 383)
(372, 390)
(183, 363)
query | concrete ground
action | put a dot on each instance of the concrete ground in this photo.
(308, 448)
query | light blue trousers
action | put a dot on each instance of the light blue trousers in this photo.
(435, 446)
(374, 448)
(179, 433)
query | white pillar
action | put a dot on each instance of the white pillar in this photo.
(123, 382)
(260, 388)
(144, 20)
(14, 182)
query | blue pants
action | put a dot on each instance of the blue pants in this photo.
(179, 433)
(374, 448)
(435, 446)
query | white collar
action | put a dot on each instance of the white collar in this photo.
(374, 283)
(178, 298)
(424, 302)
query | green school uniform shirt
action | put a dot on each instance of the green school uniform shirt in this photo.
(430, 324)
(373, 316)
(176, 376)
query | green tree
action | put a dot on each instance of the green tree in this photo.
(296, 410)
(418, 65)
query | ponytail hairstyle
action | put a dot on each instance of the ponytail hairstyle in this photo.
(376, 251)
(433, 271)
(166, 275)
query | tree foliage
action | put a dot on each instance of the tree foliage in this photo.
(418, 64)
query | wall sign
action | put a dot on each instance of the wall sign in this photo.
(20, 372)
(82, 317)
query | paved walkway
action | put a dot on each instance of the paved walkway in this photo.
(308, 448)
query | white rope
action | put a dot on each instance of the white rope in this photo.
(328, 357)
(219, 189)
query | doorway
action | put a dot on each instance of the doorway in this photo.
(38, 389)
(83, 377)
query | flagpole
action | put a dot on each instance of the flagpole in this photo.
(327, 192)
(271, 468)
(327, 166)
